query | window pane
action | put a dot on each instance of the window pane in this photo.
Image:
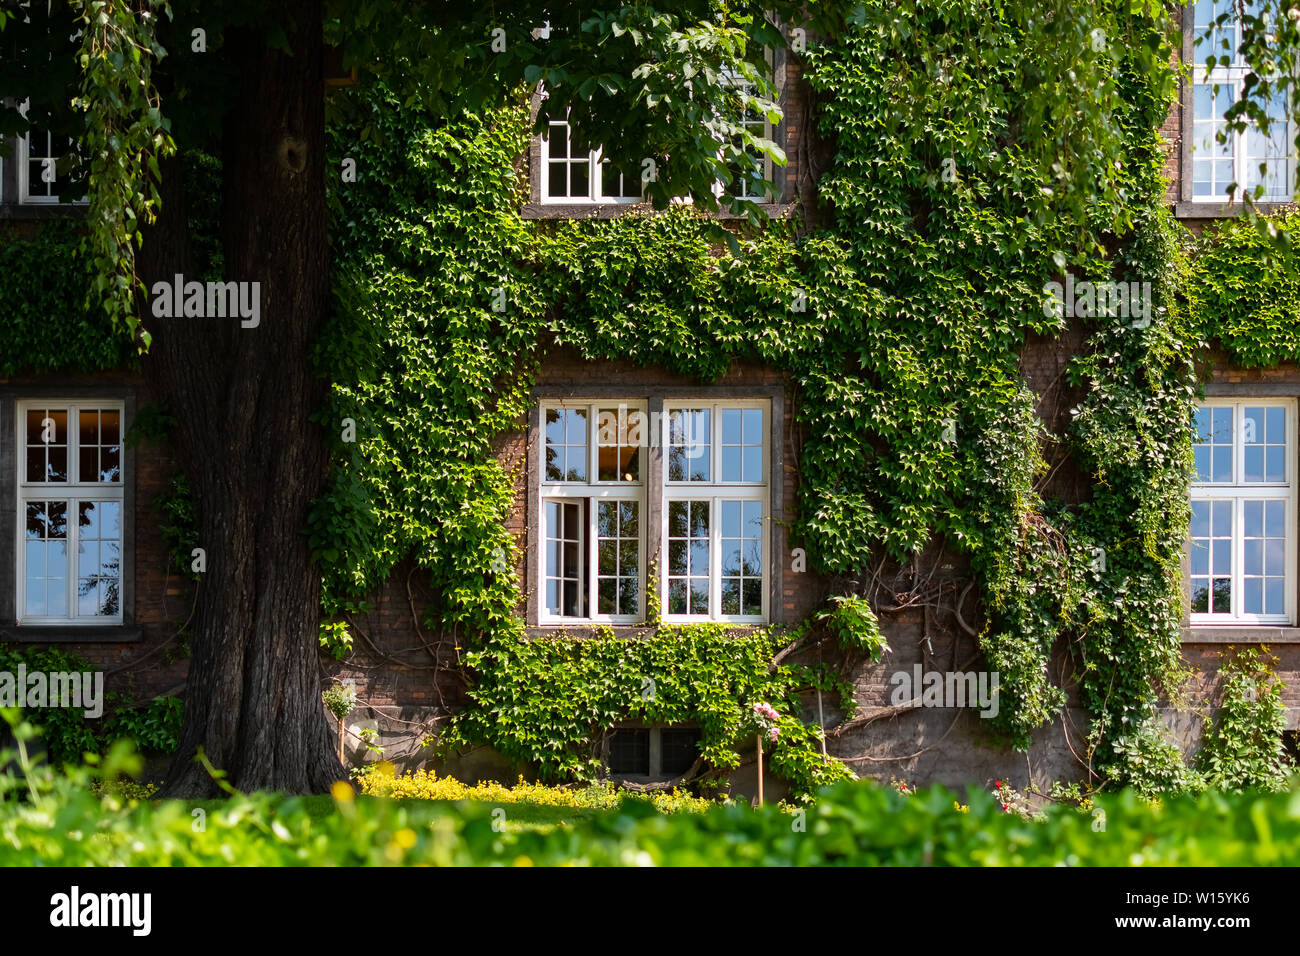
(99, 558)
(689, 445)
(47, 445)
(1213, 444)
(566, 444)
(688, 557)
(619, 583)
(579, 181)
(619, 432)
(46, 559)
(742, 550)
(1264, 444)
(1211, 555)
(679, 749)
(629, 752)
(1264, 557)
(565, 557)
(45, 151)
(742, 444)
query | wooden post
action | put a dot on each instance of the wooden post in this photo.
(341, 729)
(760, 768)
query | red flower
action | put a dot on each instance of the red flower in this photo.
(1004, 806)
(998, 784)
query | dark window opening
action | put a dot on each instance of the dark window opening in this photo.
(1291, 744)
(680, 748)
(629, 752)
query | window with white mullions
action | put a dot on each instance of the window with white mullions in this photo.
(748, 184)
(716, 492)
(43, 152)
(708, 525)
(618, 563)
(1248, 158)
(742, 558)
(70, 491)
(689, 556)
(566, 444)
(573, 175)
(1242, 561)
(592, 567)
(564, 558)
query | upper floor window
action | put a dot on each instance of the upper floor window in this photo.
(1244, 528)
(749, 185)
(70, 520)
(1248, 158)
(573, 175)
(39, 178)
(570, 172)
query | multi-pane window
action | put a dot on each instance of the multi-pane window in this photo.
(715, 492)
(40, 179)
(652, 751)
(574, 175)
(593, 498)
(70, 500)
(1243, 529)
(39, 156)
(749, 185)
(1248, 158)
(708, 526)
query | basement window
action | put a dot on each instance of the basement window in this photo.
(652, 752)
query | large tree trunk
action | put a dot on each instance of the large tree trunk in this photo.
(242, 398)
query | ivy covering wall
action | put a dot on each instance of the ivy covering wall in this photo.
(917, 301)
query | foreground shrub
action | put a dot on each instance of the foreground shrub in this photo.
(853, 823)
(427, 785)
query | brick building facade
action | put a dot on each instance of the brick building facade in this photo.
(407, 678)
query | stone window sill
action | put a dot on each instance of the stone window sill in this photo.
(537, 210)
(1241, 635)
(1210, 210)
(37, 211)
(70, 634)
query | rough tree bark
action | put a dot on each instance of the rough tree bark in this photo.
(242, 398)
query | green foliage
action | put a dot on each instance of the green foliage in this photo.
(47, 325)
(543, 701)
(978, 154)
(179, 523)
(125, 134)
(1246, 295)
(854, 624)
(336, 639)
(425, 785)
(64, 821)
(67, 733)
(1243, 748)
(339, 700)
(917, 301)
(155, 728)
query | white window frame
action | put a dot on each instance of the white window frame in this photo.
(1244, 167)
(74, 491)
(594, 491)
(596, 169)
(720, 188)
(715, 491)
(23, 161)
(1238, 491)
